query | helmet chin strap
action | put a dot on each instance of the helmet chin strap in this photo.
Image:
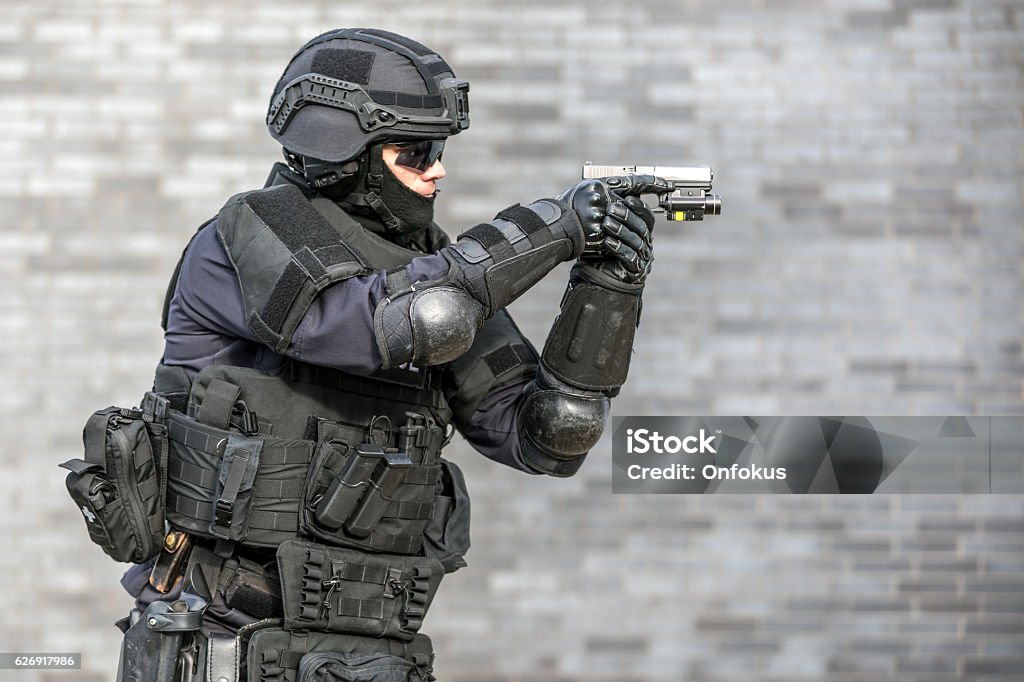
(366, 185)
(375, 187)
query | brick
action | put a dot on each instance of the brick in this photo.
(926, 664)
(996, 625)
(939, 603)
(993, 665)
(876, 20)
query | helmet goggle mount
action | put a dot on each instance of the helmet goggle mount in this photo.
(373, 108)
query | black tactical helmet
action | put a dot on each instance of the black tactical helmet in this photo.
(350, 88)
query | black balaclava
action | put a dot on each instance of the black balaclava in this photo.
(372, 190)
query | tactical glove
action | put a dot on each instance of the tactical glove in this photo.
(616, 223)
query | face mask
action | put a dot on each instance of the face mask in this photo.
(414, 211)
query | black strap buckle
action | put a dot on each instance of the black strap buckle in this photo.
(245, 419)
(223, 510)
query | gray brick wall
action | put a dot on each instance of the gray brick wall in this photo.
(868, 261)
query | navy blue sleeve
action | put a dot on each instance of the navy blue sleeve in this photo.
(493, 429)
(485, 389)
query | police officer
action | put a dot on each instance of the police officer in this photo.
(324, 338)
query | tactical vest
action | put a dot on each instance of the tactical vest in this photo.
(342, 474)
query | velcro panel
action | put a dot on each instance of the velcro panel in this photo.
(336, 254)
(293, 220)
(492, 239)
(397, 282)
(473, 375)
(312, 257)
(485, 233)
(439, 67)
(528, 221)
(310, 263)
(264, 333)
(406, 99)
(344, 64)
(532, 225)
(283, 296)
(504, 359)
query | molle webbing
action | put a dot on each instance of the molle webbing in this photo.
(274, 498)
(284, 253)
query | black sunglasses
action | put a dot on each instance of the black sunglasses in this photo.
(419, 156)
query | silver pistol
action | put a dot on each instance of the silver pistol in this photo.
(689, 198)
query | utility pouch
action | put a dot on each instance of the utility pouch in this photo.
(255, 593)
(276, 655)
(446, 537)
(345, 591)
(119, 485)
(235, 481)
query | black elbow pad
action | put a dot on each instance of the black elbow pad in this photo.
(428, 327)
(558, 428)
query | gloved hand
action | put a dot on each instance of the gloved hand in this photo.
(616, 223)
(627, 244)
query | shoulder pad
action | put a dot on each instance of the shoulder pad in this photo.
(284, 253)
